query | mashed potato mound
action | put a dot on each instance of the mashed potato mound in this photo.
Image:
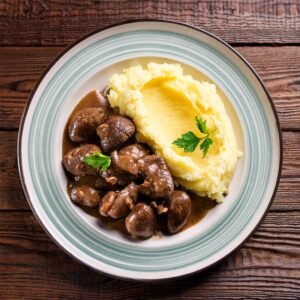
(163, 103)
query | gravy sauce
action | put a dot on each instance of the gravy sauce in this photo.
(200, 205)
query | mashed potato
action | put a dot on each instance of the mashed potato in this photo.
(163, 103)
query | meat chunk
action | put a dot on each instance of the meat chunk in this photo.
(141, 222)
(73, 160)
(85, 122)
(103, 101)
(126, 158)
(85, 196)
(180, 206)
(124, 201)
(160, 208)
(86, 180)
(106, 203)
(115, 132)
(117, 204)
(158, 181)
(112, 179)
(130, 193)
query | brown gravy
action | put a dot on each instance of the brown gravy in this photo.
(89, 100)
(200, 205)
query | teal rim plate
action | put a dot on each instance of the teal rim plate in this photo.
(87, 65)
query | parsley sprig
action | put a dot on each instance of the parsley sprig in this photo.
(98, 160)
(189, 141)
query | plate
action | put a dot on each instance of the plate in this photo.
(88, 64)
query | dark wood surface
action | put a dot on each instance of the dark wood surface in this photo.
(267, 33)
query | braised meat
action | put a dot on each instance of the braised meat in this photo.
(159, 208)
(84, 123)
(126, 158)
(115, 132)
(141, 222)
(106, 203)
(129, 183)
(158, 181)
(112, 178)
(180, 206)
(117, 204)
(103, 101)
(73, 160)
(85, 196)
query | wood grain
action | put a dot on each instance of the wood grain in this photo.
(287, 199)
(29, 22)
(19, 70)
(11, 193)
(279, 67)
(33, 267)
(33, 32)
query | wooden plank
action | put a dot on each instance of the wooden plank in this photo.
(60, 23)
(33, 267)
(288, 195)
(291, 147)
(279, 67)
(19, 70)
(12, 197)
(11, 193)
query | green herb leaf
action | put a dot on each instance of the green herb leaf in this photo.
(205, 145)
(98, 160)
(201, 125)
(188, 141)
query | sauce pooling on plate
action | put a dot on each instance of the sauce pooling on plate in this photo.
(135, 193)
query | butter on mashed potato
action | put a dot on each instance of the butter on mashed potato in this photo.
(163, 103)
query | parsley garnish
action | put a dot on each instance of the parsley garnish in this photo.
(98, 160)
(189, 141)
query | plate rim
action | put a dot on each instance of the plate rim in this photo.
(130, 21)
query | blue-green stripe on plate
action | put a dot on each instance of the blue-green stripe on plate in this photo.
(38, 151)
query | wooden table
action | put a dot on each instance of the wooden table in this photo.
(32, 33)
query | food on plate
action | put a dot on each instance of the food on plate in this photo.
(179, 210)
(116, 204)
(112, 178)
(163, 104)
(85, 195)
(126, 158)
(141, 222)
(148, 150)
(74, 163)
(115, 132)
(158, 181)
(85, 122)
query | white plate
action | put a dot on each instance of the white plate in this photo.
(87, 65)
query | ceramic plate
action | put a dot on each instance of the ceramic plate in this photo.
(87, 65)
